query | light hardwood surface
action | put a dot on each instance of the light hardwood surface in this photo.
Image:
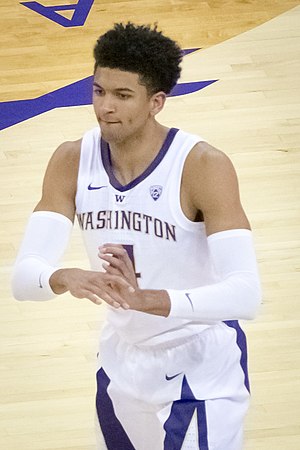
(47, 350)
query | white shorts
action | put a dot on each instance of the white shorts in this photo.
(191, 394)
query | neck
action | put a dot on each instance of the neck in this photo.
(131, 157)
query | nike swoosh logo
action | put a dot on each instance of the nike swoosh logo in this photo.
(190, 300)
(93, 188)
(173, 376)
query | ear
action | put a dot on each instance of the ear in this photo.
(157, 102)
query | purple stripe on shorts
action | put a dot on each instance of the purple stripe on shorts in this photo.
(242, 344)
(180, 418)
(114, 434)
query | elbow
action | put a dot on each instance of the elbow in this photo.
(253, 301)
(18, 289)
(30, 280)
(245, 293)
(19, 297)
(252, 312)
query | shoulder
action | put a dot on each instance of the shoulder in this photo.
(60, 180)
(208, 164)
(64, 162)
(211, 184)
(68, 152)
(63, 167)
(205, 153)
(209, 175)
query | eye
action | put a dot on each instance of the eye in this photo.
(122, 96)
(97, 91)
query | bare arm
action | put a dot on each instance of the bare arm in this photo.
(60, 181)
(210, 185)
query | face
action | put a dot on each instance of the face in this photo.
(122, 105)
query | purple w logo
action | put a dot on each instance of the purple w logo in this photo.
(119, 198)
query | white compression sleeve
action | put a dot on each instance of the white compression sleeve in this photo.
(45, 240)
(236, 294)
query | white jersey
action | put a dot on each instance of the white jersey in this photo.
(168, 250)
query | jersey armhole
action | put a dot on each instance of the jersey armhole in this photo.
(175, 202)
(89, 140)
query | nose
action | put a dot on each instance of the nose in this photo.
(104, 104)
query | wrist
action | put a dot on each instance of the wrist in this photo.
(152, 301)
(57, 281)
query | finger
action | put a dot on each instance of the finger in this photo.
(114, 247)
(98, 294)
(117, 281)
(119, 253)
(110, 301)
(111, 270)
(119, 260)
(109, 257)
(115, 300)
(116, 250)
(94, 298)
(113, 290)
(90, 296)
(113, 261)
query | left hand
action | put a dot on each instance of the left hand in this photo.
(117, 262)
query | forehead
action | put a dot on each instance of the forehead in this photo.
(117, 79)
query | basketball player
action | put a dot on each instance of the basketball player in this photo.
(171, 254)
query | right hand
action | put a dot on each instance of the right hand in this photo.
(95, 286)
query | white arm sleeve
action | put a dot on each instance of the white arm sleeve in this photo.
(236, 294)
(45, 240)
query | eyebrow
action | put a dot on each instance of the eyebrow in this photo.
(121, 89)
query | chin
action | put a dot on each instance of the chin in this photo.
(110, 137)
(105, 133)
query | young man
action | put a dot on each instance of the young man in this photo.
(171, 254)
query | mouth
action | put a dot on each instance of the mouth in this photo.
(109, 122)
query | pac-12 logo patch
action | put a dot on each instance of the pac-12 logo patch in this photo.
(155, 191)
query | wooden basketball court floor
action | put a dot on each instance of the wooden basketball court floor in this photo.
(249, 50)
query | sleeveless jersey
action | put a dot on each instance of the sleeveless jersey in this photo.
(168, 250)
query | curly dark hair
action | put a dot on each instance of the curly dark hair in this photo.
(143, 50)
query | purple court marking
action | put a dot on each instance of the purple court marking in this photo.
(75, 94)
(81, 11)
(187, 51)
